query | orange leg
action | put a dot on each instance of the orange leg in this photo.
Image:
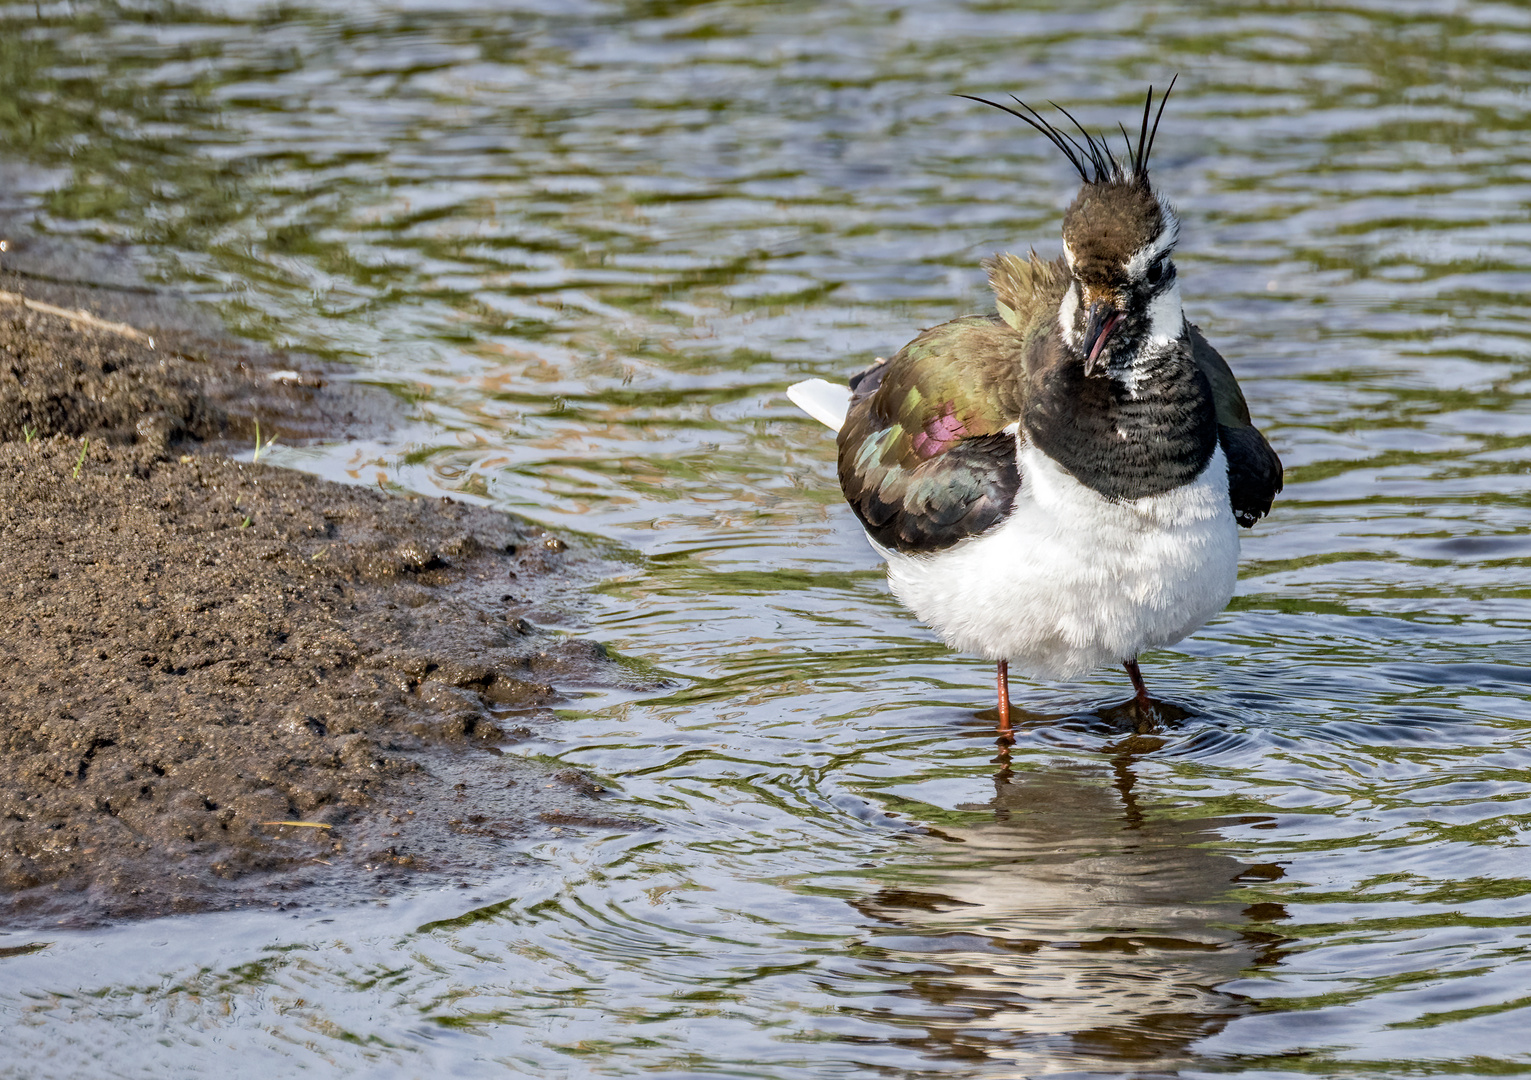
(1144, 701)
(1003, 678)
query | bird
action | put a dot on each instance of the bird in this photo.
(1058, 486)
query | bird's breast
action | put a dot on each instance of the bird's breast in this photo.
(1125, 443)
(1072, 580)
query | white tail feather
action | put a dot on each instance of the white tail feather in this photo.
(824, 401)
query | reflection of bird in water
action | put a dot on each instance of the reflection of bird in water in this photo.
(1060, 485)
(1072, 925)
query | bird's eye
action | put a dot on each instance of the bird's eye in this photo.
(1156, 270)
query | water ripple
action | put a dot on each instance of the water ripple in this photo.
(589, 244)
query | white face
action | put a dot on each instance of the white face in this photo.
(1160, 247)
(1070, 320)
(1166, 316)
(1154, 280)
(1147, 294)
(1158, 290)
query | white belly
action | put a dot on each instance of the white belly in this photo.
(1072, 580)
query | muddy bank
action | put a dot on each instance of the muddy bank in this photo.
(195, 650)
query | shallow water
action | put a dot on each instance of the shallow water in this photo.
(590, 243)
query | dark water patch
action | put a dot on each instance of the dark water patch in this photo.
(1459, 674)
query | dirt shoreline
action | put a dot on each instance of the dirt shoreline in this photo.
(195, 649)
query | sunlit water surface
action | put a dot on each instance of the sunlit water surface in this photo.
(590, 243)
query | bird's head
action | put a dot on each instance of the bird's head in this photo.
(1122, 304)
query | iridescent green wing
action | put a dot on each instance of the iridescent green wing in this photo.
(924, 457)
(1254, 470)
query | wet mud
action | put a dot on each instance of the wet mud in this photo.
(223, 683)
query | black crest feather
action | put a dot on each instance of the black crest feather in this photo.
(1093, 159)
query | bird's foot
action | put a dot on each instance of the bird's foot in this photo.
(1141, 701)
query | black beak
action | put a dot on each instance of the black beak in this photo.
(1103, 319)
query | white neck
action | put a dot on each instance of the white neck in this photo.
(1166, 320)
(1166, 325)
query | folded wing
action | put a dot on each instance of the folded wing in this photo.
(1254, 470)
(926, 459)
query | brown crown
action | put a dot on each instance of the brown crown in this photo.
(1107, 224)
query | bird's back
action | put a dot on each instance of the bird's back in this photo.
(1027, 292)
(925, 459)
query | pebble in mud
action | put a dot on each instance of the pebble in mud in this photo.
(196, 651)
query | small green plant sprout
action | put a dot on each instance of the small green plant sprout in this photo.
(78, 465)
(259, 446)
(245, 524)
(29, 433)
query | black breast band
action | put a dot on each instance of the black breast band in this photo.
(1124, 446)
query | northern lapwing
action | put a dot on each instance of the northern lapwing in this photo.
(1059, 486)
